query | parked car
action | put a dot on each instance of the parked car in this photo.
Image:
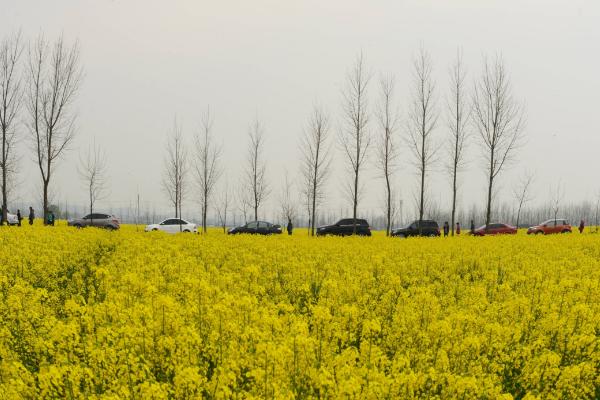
(173, 225)
(98, 220)
(256, 227)
(345, 227)
(11, 219)
(559, 225)
(495, 229)
(429, 228)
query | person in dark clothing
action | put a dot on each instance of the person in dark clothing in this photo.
(51, 218)
(31, 215)
(581, 226)
(19, 218)
(290, 227)
(458, 228)
(446, 228)
(472, 227)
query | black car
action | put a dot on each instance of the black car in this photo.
(345, 227)
(256, 227)
(428, 228)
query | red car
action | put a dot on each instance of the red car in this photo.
(550, 226)
(495, 229)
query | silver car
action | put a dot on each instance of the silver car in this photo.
(96, 219)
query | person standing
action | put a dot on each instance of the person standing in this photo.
(290, 227)
(472, 227)
(51, 218)
(457, 228)
(19, 218)
(31, 215)
(581, 226)
(446, 228)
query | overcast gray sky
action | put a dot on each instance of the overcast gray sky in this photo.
(146, 61)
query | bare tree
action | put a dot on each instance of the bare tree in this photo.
(207, 165)
(499, 120)
(287, 199)
(422, 119)
(256, 181)
(176, 168)
(92, 170)
(223, 208)
(458, 118)
(315, 162)
(556, 198)
(11, 96)
(522, 194)
(387, 151)
(354, 136)
(54, 78)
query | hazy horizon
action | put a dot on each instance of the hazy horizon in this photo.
(147, 62)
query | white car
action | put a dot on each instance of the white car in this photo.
(173, 225)
(12, 219)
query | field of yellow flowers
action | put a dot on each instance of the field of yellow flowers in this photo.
(94, 314)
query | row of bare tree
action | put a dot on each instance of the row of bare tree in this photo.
(487, 115)
(42, 89)
(39, 82)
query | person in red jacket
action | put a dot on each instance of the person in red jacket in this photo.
(458, 228)
(581, 226)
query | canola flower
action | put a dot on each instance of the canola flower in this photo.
(111, 315)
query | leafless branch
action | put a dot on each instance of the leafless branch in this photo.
(11, 99)
(176, 169)
(316, 162)
(54, 77)
(422, 120)
(498, 119)
(208, 170)
(354, 136)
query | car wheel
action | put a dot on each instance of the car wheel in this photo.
(539, 233)
(78, 226)
(566, 231)
(432, 235)
(186, 231)
(155, 229)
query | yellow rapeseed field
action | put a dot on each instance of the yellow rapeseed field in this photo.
(117, 315)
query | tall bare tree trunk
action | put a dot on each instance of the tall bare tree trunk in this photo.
(255, 181)
(54, 78)
(355, 137)
(421, 123)
(11, 96)
(459, 114)
(499, 121)
(386, 147)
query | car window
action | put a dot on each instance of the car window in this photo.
(362, 222)
(252, 225)
(495, 226)
(168, 222)
(344, 222)
(86, 217)
(263, 224)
